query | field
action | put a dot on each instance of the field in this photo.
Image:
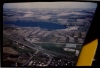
(21, 49)
(58, 48)
(12, 47)
(9, 50)
(78, 47)
(6, 42)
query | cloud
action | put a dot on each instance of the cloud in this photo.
(63, 14)
(51, 5)
(45, 17)
(19, 11)
(29, 14)
(80, 13)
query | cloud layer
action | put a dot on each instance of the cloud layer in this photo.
(51, 5)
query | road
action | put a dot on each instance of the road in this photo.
(26, 46)
(23, 44)
(58, 43)
(28, 60)
(37, 49)
(49, 61)
(18, 59)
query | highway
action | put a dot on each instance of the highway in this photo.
(18, 59)
(57, 43)
(28, 60)
(23, 44)
(26, 46)
(49, 61)
(37, 50)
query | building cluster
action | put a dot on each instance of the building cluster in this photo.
(60, 62)
(37, 34)
(54, 62)
(72, 48)
(39, 60)
(70, 37)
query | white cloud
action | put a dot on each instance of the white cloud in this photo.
(45, 17)
(29, 12)
(81, 20)
(61, 19)
(51, 5)
(63, 14)
(80, 13)
(28, 15)
(19, 11)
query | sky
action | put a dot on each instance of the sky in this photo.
(51, 5)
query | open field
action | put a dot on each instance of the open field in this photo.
(9, 50)
(6, 42)
(22, 49)
(12, 47)
(55, 48)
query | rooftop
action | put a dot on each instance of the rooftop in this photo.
(71, 45)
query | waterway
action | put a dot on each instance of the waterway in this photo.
(45, 25)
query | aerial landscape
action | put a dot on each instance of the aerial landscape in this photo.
(44, 35)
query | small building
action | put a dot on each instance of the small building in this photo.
(80, 40)
(71, 39)
(65, 49)
(77, 52)
(30, 63)
(76, 35)
(71, 45)
(41, 32)
(62, 39)
(69, 49)
(83, 34)
(46, 34)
